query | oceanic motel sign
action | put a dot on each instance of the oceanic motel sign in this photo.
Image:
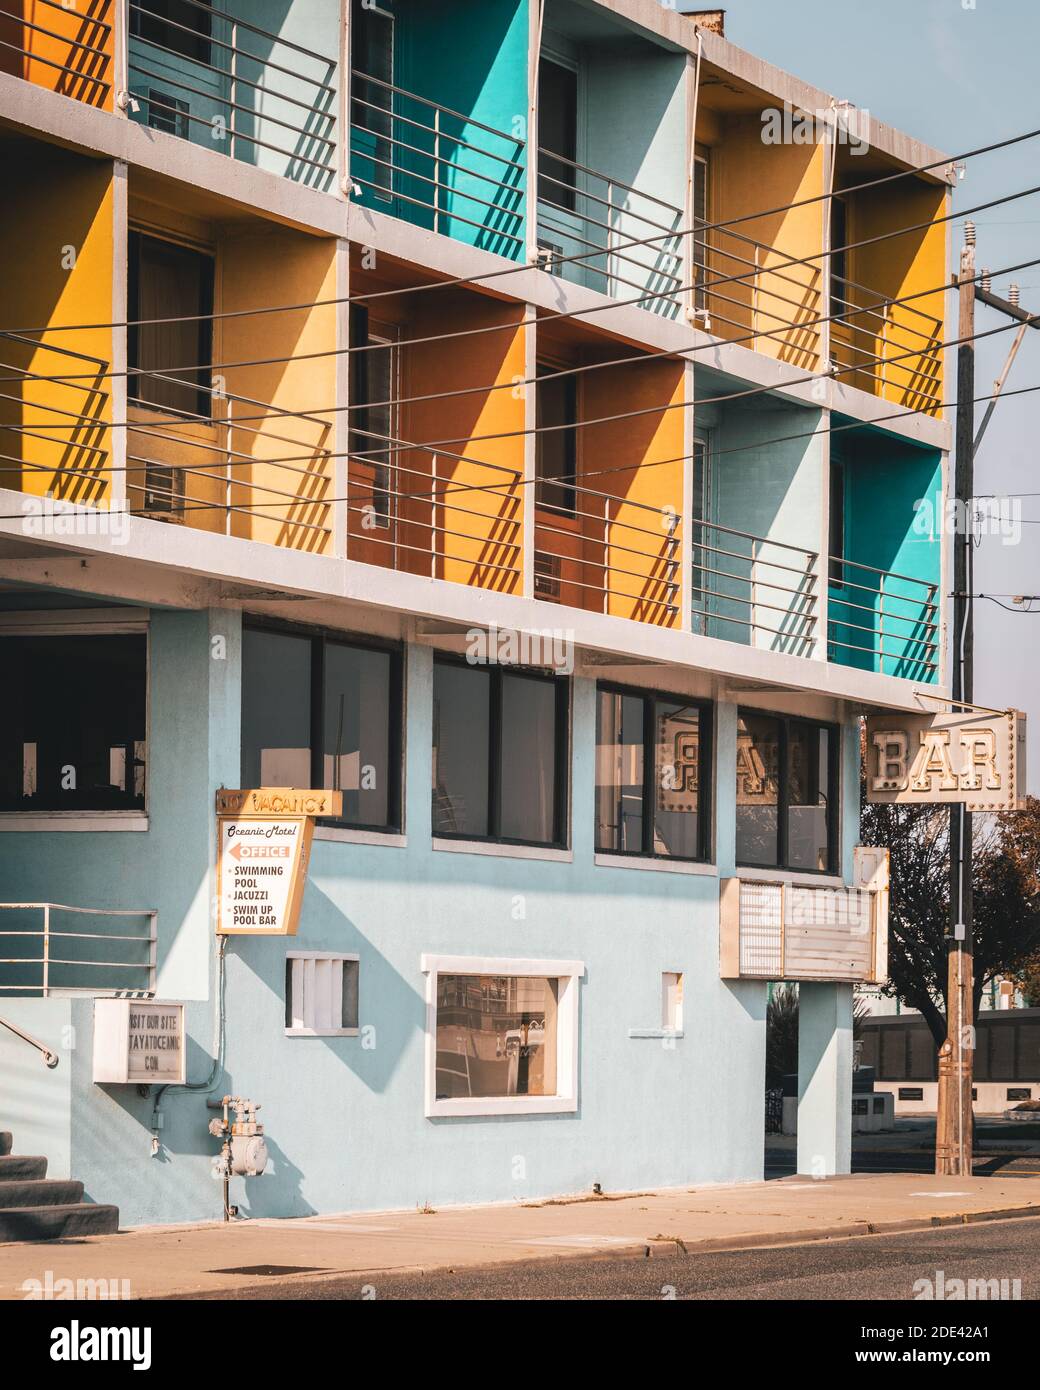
(263, 846)
(976, 758)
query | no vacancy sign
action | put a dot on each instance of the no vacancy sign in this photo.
(263, 845)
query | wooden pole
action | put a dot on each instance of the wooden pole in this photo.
(954, 1117)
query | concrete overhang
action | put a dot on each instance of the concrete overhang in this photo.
(160, 564)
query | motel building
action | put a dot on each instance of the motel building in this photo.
(458, 432)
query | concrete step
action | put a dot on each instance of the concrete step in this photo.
(40, 1192)
(58, 1222)
(5, 1141)
(22, 1167)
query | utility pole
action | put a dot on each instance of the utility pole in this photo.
(954, 1117)
(954, 1126)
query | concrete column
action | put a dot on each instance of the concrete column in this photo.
(824, 1079)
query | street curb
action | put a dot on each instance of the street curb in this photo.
(659, 1245)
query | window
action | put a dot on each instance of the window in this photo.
(911, 1093)
(557, 133)
(167, 280)
(178, 26)
(373, 415)
(74, 715)
(321, 994)
(701, 218)
(321, 712)
(653, 771)
(672, 1001)
(556, 445)
(787, 784)
(499, 754)
(501, 1035)
(372, 57)
(702, 556)
(168, 113)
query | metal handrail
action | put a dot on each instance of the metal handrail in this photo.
(435, 106)
(50, 1058)
(320, 110)
(46, 959)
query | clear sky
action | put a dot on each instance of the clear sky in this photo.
(956, 75)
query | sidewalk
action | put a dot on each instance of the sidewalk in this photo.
(166, 1260)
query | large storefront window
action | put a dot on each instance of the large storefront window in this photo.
(317, 711)
(499, 754)
(73, 711)
(653, 772)
(502, 1036)
(787, 791)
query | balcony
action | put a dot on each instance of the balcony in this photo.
(438, 117)
(612, 169)
(610, 554)
(753, 590)
(891, 350)
(602, 233)
(65, 48)
(886, 288)
(436, 167)
(218, 80)
(881, 620)
(747, 293)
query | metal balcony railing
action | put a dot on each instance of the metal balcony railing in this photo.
(582, 211)
(741, 292)
(890, 350)
(597, 551)
(220, 81)
(41, 957)
(453, 519)
(65, 47)
(440, 168)
(55, 431)
(882, 620)
(199, 471)
(753, 590)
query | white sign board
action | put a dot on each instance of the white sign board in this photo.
(259, 864)
(139, 1041)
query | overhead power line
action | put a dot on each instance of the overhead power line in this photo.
(577, 257)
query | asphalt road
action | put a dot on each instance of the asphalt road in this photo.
(863, 1268)
(781, 1163)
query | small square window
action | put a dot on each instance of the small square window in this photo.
(321, 994)
(672, 1001)
(501, 1036)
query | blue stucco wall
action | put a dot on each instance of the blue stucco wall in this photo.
(345, 1116)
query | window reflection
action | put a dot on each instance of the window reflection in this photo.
(496, 1036)
(758, 790)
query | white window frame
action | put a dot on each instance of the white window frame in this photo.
(327, 1032)
(568, 973)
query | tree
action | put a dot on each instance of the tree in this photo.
(1006, 876)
